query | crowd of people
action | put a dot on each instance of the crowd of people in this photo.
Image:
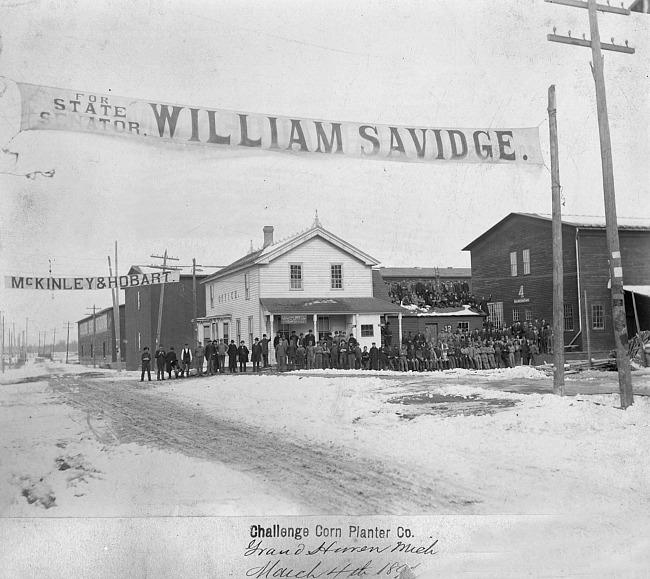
(208, 359)
(480, 349)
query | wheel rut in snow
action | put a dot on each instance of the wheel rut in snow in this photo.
(328, 479)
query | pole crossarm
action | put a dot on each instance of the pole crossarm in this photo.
(600, 7)
(167, 267)
(587, 43)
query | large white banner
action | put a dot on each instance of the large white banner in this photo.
(91, 283)
(47, 108)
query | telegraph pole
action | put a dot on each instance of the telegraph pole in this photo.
(2, 344)
(118, 327)
(94, 333)
(53, 346)
(116, 311)
(67, 343)
(196, 315)
(164, 267)
(615, 265)
(558, 264)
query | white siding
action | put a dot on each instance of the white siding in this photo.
(373, 320)
(316, 256)
(230, 299)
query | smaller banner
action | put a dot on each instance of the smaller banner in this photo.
(293, 320)
(91, 283)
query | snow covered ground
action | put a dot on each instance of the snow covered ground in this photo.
(515, 484)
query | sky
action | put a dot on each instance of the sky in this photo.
(444, 63)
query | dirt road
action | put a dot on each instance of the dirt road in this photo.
(326, 479)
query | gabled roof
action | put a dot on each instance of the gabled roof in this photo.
(581, 221)
(267, 254)
(426, 272)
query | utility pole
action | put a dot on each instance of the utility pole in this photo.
(164, 267)
(588, 330)
(558, 263)
(118, 327)
(615, 265)
(2, 344)
(196, 315)
(92, 347)
(53, 345)
(26, 349)
(116, 311)
(67, 343)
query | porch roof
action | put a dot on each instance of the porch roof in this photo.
(330, 305)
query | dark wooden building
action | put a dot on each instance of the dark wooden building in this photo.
(513, 263)
(434, 321)
(96, 338)
(177, 327)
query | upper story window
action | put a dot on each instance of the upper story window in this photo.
(247, 286)
(139, 305)
(295, 276)
(526, 261)
(336, 270)
(513, 263)
(212, 296)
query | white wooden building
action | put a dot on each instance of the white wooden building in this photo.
(311, 281)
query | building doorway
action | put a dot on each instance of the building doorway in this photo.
(431, 332)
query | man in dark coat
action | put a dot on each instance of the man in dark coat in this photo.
(264, 342)
(199, 354)
(146, 363)
(222, 350)
(233, 352)
(310, 339)
(161, 362)
(209, 354)
(374, 357)
(172, 363)
(216, 362)
(243, 356)
(256, 354)
(388, 335)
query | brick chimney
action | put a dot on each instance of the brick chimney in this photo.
(268, 235)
